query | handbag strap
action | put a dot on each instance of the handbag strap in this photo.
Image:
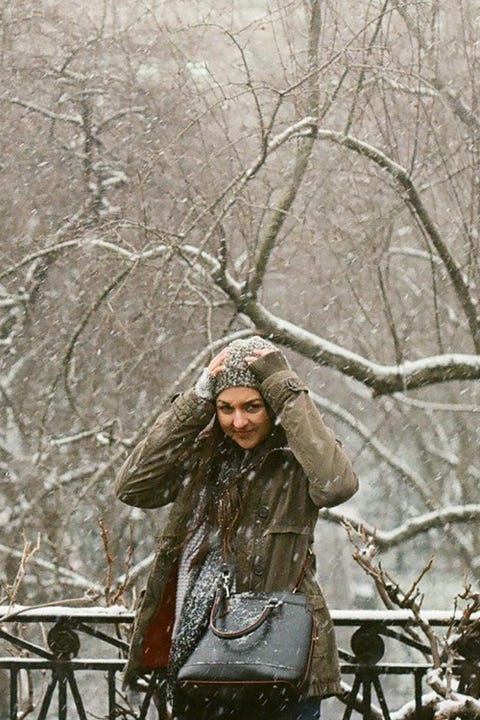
(268, 608)
(307, 565)
(223, 593)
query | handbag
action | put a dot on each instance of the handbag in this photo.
(257, 645)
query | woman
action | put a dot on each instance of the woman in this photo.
(247, 461)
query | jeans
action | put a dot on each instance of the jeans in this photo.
(303, 710)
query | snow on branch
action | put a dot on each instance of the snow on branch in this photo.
(459, 706)
(422, 523)
(306, 125)
(62, 117)
(67, 576)
(386, 539)
(135, 110)
(382, 379)
(208, 263)
(398, 465)
(421, 90)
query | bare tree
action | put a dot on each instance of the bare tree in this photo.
(175, 176)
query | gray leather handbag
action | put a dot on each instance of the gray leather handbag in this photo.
(256, 645)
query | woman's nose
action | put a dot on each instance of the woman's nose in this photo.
(240, 420)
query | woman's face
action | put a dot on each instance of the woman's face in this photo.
(243, 416)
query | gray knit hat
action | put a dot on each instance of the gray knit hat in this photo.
(237, 372)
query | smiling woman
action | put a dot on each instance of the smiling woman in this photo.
(246, 488)
(243, 416)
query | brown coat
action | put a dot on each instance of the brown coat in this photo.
(277, 525)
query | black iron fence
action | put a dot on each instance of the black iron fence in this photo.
(66, 663)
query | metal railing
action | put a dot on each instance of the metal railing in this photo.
(66, 663)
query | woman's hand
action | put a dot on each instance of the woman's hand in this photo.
(249, 359)
(205, 385)
(217, 365)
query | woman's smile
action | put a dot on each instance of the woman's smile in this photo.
(243, 416)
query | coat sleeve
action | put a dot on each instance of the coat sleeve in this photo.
(332, 479)
(152, 474)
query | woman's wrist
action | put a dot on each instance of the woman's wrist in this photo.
(204, 387)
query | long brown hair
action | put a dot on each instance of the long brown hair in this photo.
(225, 484)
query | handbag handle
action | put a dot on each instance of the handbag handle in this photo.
(269, 607)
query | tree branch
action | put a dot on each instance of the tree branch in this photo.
(304, 151)
(382, 379)
(61, 117)
(386, 539)
(412, 198)
(464, 113)
(66, 575)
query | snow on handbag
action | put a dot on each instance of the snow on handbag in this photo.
(257, 644)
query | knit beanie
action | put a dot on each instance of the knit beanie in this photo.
(237, 372)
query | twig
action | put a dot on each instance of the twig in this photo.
(85, 600)
(108, 558)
